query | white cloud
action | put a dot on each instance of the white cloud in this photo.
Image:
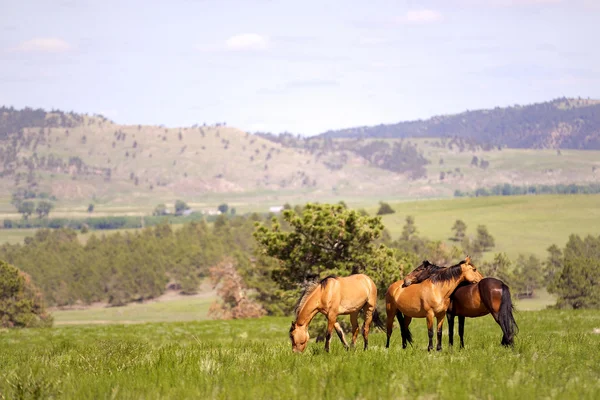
(423, 16)
(526, 2)
(44, 45)
(247, 41)
(513, 3)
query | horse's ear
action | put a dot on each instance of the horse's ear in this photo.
(468, 260)
(425, 262)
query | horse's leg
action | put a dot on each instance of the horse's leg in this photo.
(367, 325)
(354, 323)
(430, 330)
(391, 313)
(450, 328)
(440, 324)
(340, 333)
(461, 330)
(404, 331)
(330, 325)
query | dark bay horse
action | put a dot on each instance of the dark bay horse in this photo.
(428, 299)
(488, 296)
(335, 296)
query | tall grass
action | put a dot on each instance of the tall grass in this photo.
(555, 356)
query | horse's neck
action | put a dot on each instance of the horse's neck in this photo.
(310, 308)
(448, 287)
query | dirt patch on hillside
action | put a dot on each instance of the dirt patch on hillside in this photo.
(200, 185)
(73, 190)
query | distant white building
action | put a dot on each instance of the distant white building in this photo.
(211, 212)
(275, 209)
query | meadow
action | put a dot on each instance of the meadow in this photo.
(555, 356)
(519, 224)
(166, 308)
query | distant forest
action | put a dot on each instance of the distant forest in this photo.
(515, 190)
(561, 123)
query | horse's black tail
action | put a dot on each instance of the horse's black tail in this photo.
(506, 319)
(377, 320)
(404, 330)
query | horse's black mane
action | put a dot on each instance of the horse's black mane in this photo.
(430, 267)
(323, 281)
(447, 274)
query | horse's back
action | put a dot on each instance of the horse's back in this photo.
(490, 282)
(479, 299)
(413, 300)
(358, 279)
(355, 291)
(466, 301)
(359, 284)
(491, 290)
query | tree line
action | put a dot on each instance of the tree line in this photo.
(532, 126)
(508, 189)
(265, 262)
(125, 267)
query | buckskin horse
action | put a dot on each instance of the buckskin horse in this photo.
(335, 296)
(428, 299)
(488, 296)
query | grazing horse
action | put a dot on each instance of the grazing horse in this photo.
(335, 296)
(488, 296)
(428, 299)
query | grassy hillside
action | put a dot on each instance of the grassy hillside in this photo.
(520, 224)
(78, 160)
(163, 309)
(97, 160)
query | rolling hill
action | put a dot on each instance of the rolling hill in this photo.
(77, 159)
(561, 123)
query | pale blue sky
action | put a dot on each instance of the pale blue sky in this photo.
(303, 67)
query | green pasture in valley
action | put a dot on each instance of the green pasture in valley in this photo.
(185, 308)
(519, 224)
(555, 356)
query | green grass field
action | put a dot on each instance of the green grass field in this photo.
(519, 224)
(555, 356)
(186, 308)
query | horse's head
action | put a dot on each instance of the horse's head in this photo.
(299, 336)
(420, 273)
(470, 271)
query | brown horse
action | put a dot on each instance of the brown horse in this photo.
(335, 296)
(428, 299)
(490, 295)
